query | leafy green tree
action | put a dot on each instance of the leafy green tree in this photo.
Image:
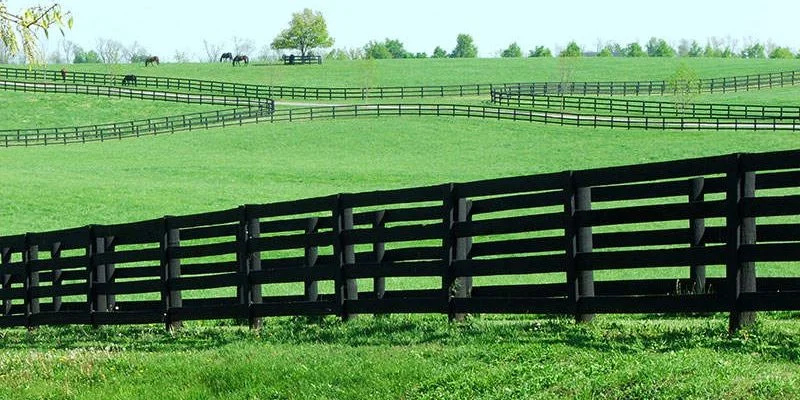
(756, 50)
(634, 49)
(18, 30)
(377, 50)
(572, 50)
(659, 48)
(685, 83)
(421, 55)
(465, 48)
(396, 48)
(513, 50)
(695, 50)
(439, 52)
(781, 52)
(389, 48)
(605, 52)
(307, 30)
(540, 51)
(84, 57)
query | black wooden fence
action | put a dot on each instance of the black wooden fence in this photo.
(205, 120)
(713, 85)
(620, 106)
(631, 239)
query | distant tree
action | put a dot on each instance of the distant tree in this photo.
(540, 51)
(18, 31)
(634, 49)
(396, 48)
(512, 51)
(605, 52)
(683, 48)
(67, 49)
(181, 57)
(659, 48)
(755, 50)
(421, 55)
(307, 30)
(695, 50)
(439, 52)
(213, 50)
(684, 82)
(465, 48)
(572, 50)
(376, 50)
(781, 52)
(84, 57)
(337, 54)
(109, 50)
(135, 53)
(243, 46)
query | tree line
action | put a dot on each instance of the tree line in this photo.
(308, 33)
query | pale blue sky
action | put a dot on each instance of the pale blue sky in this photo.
(165, 26)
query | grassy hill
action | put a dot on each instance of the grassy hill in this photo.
(490, 357)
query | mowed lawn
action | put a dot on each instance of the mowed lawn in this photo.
(403, 357)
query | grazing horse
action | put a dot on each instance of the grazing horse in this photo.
(240, 58)
(129, 80)
(226, 56)
(151, 60)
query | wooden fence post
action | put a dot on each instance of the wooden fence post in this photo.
(310, 255)
(55, 254)
(346, 289)
(98, 272)
(697, 227)
(243, 289)
(462, 285)
(5, 280)
(254, 264)
(378, 252)
(31, 280)
(580, 283)
(740, 276)
(171, 269)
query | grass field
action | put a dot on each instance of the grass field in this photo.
(400, 357)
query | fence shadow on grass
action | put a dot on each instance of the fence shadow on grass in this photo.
(618, 335)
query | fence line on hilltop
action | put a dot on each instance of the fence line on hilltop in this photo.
(611, 88)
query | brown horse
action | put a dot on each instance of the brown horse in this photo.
(151, 60)
(226, 56)
(240, 58)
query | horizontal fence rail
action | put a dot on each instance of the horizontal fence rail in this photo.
(550, 237)
(617, 106)
(245, 109)
(712, 85)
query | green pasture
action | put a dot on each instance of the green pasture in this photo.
(397, 357)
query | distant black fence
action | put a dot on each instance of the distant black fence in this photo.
(543, 238)
(713, 85)
(246, 108)
(638, 88)
(617, 106)
(154, 126)
(293, 59)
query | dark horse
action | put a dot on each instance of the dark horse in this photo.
(129, 80)
(151, 60)
(238, 59)
(226, 56)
